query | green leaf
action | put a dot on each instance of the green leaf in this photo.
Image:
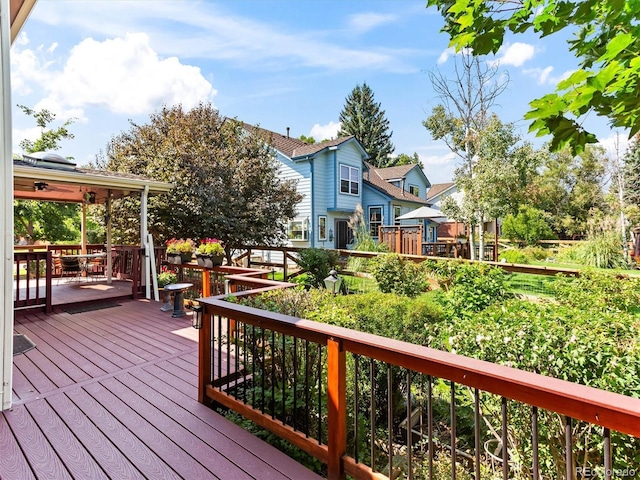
(617, 45)
(576, 77)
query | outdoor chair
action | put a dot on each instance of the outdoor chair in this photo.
(97, 267)
(70, 267)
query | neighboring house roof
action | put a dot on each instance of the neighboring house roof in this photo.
(400, 171)
(376, 181)
(295, 148)
(391, 173)
(439, 188)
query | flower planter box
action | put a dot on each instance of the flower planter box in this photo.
(209, 261)
(178, 258)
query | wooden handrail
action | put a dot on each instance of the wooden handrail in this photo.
(611, 410)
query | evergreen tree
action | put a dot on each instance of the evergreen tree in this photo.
(363, 118)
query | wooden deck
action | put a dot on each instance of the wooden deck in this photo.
(111, 393)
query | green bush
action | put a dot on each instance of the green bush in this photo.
(318, 262)
(528, 226)
(536, 253)
(469, 287)
(395, 274)
(602, 251)
(513, 256)
(599, 291)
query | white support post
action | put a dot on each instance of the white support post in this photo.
(6, 212)
(109, 245)
(154, 273)
(144, 231)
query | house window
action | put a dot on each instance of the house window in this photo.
(297, 230)
(349, 180)
(375, 220)
(397, 211)
(322, 227)
(414, 190)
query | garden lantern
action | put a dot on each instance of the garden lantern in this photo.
(196, 318)
(333, 282)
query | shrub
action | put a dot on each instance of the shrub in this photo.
(513, 256)
(603, 250)
(395, 274)
(528, 226)
(469, 287)
(600, 291)
(318, 262)
(536, 253)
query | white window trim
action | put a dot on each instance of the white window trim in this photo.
(358, 176)
(381, 222)
(304, 230)
(320, 237)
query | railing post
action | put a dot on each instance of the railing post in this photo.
(337, 408)
(135, 274)
(206, 283)
(204, 355)
(398, 240)
(284, 264)
(48, 301)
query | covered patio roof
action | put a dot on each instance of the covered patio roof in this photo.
(50, 177)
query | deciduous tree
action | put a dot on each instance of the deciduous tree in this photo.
(226, 178)
(36, 220)
(604, 41)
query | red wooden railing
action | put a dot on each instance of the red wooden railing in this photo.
(228, 360)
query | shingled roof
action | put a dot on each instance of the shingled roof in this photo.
(376, 180)
(399, 171)
(438, 188)
(294, 147)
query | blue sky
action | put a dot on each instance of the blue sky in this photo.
(286, 63)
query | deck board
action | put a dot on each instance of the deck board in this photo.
(68, 448)
(13, 463)
(113, 394)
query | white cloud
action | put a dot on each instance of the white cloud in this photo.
(123, 75)
(437, 160)
(364, 22)
(209, 31)
(615, 144)
(515, 54)
(322, 132)
(544, 76)
(444, 56)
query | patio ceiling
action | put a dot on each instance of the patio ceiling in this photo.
(19, 10)
(50, 177)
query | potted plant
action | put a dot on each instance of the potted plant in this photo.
(166, 277)
(180, 251)
(210, 253)
(461, 238)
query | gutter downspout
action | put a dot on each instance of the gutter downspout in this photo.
(6, 212)
(335, 179)
(312, 209)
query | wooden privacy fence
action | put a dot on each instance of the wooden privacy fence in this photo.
(405, 239)
(371, 407)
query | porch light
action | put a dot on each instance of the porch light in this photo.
(196, 318)
(333, 282)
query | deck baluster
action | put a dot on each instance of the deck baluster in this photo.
(476, 426)
(453, 431)
(535, 467)
(505, 449)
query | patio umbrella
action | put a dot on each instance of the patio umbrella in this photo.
(424, 212)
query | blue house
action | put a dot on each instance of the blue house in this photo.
(334, 177)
